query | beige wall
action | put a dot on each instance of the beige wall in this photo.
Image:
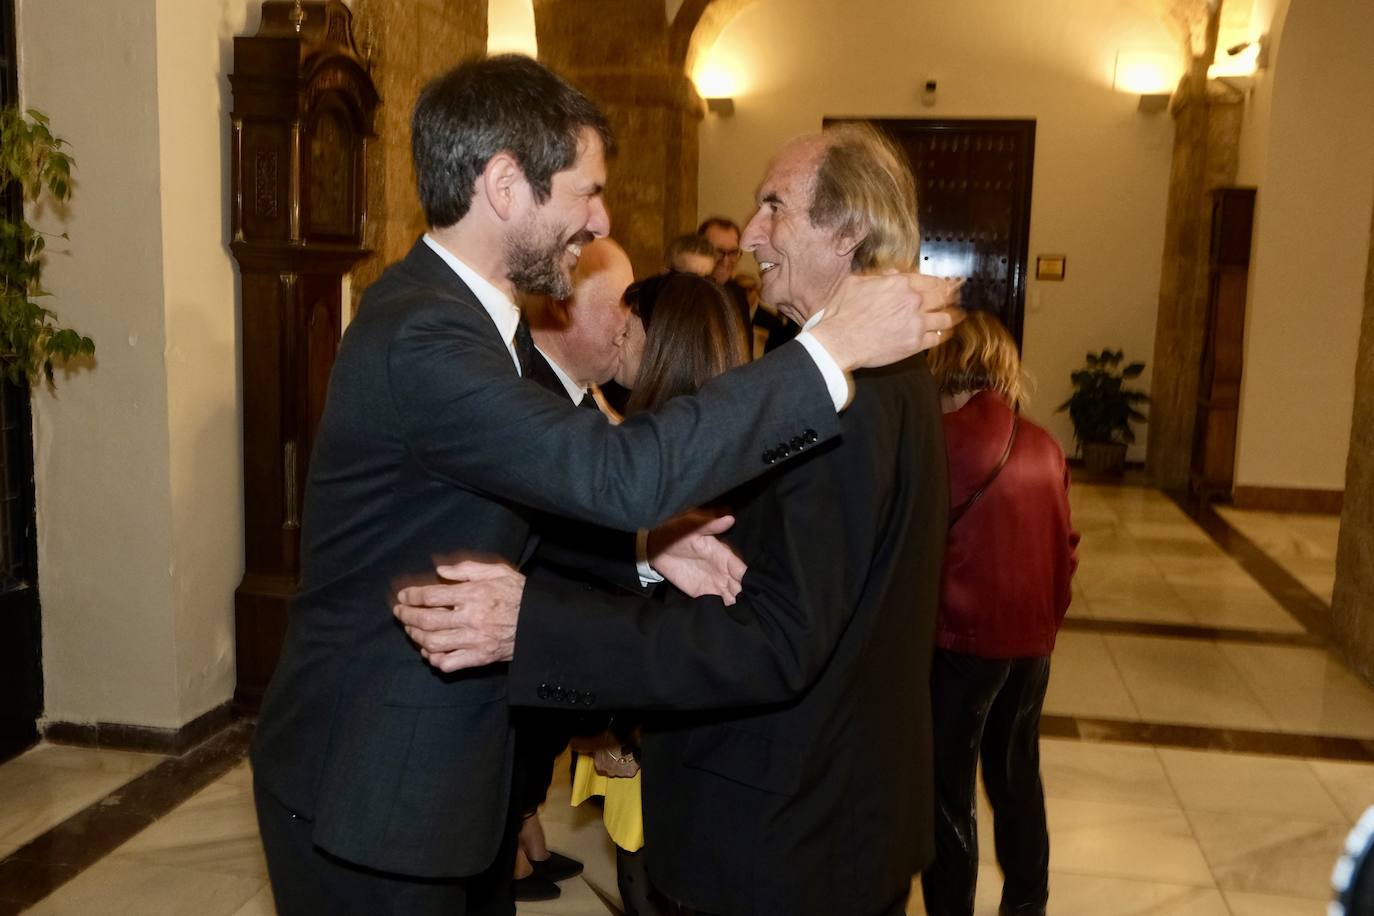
(1101, 168)
(1306, 147)
(138, 459)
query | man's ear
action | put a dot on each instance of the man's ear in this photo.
(849, 238)
(500, 182)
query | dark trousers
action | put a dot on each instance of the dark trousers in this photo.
(988, 708)
(307, 881)
(638, 896)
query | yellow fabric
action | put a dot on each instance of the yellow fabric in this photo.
(622, 812)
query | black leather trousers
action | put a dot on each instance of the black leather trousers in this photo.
(988, 708)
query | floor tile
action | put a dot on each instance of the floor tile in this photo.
(1243, 607)
(1104, 772)
(1085, 682)
(1088, 895)
(48, 784)
(1203, 571)
(1351, 785)
(215, 830)
(90, 759)
(1269, 855)
(1179, 529)
(577, 899)
(241, 775)
(1305, 690)
(1243, 904)
(1249, 784)
(1112, 572)
(1185, 680)
(120, 887)
(1125, 841)
(1304, 545)
(260, 904)
(1146, 602)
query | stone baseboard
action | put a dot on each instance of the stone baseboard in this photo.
(1288, 499)
(118, 736)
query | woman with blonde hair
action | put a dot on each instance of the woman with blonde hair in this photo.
(1010, 556)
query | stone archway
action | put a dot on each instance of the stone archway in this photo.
(637, 65)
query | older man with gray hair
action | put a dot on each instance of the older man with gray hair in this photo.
(790, 770)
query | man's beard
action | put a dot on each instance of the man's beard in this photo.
(534, 260)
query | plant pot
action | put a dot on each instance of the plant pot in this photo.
(1106, 458)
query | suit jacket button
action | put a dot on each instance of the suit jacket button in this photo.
(810, 436)
(797, 443)
(589, 698)
(543, 692)
(770, 457)
(558, 694)
(574, 697)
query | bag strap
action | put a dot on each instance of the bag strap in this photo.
(958, 511)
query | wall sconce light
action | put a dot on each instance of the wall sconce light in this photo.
(721, 105)
(1153, 102)
(1149, 74)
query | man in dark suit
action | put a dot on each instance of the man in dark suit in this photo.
(383, 786)
(802, 786)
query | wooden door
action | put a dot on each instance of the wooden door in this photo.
(1212, 471)
(973, 191)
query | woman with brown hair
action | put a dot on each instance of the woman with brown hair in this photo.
(683, 331)
(1009, 559)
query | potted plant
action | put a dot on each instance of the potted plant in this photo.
(33, 161)
(1102, 409)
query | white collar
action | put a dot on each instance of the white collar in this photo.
(811, 322)
(504, 313)
(575, 391)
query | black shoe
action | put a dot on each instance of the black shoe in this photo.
(533, 887)
(557, 867)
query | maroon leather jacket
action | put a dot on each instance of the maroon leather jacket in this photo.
(1011, 556)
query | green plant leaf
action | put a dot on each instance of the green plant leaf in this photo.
(32, 159)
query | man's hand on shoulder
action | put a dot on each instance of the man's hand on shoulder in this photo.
(877, 320)
(467, 623)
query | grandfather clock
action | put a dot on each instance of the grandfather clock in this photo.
(303, 110)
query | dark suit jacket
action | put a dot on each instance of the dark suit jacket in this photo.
(817, 798)
(432, 447)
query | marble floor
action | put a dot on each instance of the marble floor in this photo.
(1169, 641)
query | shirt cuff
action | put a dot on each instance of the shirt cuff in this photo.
(647, 574)
(837, 381)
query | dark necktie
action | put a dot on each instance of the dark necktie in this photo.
(588, 401)
(523, 344)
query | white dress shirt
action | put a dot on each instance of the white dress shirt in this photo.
(497, 304)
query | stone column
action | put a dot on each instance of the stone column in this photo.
(622, 54)
(1206, 155)
(1352, 609)
(411, 42)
